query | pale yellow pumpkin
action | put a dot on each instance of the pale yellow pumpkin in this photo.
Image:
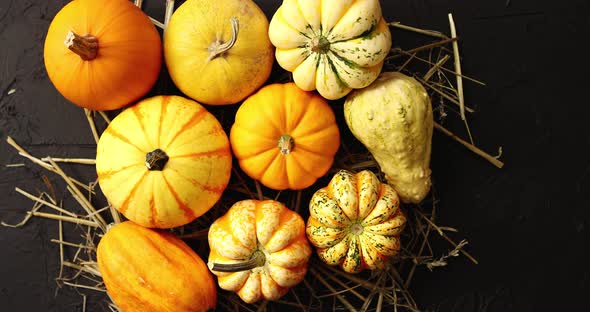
(217, 52)
(393, 119)
(333, 46)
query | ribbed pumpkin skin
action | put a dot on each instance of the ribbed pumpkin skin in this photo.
(284, 109)
(267, 226)
(146, 270)
(129, 54)
(355, 222)
(233, 75)
(333, 46)
(192, 180)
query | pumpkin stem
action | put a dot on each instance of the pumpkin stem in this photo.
(257, 259)
(320, 45)
(156, 160)
(85, 46)
(286, 144)
(218, 47)
(356, 229)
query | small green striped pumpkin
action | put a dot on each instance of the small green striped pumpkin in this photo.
(163, 162)
(355, 222)
(333, 46)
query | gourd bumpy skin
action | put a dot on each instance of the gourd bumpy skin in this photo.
(393, 119)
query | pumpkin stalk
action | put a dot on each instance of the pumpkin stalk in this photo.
(219, 47)
(85, 46)
(320, 45)
(356, 229)
(257, 259)
(156, 160)
(286, 144)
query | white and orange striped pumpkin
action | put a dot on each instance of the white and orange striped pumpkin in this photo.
(258, 250)
(355, 222)
(164, 161)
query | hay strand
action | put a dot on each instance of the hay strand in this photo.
(457, 58)
(81, 161)
(88, 114)
(496, 162)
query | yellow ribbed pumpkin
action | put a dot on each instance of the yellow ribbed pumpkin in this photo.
(164, 161)
(147, 270)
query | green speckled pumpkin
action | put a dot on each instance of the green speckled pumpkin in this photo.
(355, 221)
(333, 46)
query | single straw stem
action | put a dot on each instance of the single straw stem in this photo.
(496, 162)
(457, 66)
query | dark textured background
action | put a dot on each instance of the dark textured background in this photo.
(526, 223)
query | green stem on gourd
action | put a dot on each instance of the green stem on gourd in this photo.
(219, 47)
(320, 45)
(156, 160)
(257, 259)
(85, 46)
(286, 144)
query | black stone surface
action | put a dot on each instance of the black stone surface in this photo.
(526, 223)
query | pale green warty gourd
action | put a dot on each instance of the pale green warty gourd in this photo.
(393, 118)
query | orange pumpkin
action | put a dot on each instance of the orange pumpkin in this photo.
(102, 55)
(164, 161)
(258, 250)
(285, 137)
(152, 271)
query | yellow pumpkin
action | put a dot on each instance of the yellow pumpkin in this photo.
(102, 55)
(285, 137)
(258, 250)
(146, 270)
(355, 221)
(164, 161)
(217, 52)
(333, 46)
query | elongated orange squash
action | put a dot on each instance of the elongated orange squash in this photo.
(147, 270)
